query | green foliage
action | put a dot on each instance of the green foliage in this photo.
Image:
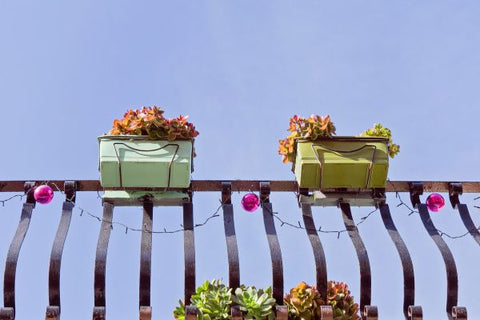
(255, 304)
(212, 299)
(304, 301)
(380, 131)
(151, 122)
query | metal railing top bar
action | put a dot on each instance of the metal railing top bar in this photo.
(243, 185)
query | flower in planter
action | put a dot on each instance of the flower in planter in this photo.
(150, 121)
(380, 131)
(304, 301)
(311, 128)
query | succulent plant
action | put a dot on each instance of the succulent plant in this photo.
(380, 131)
(255, 304)
(304, 301)
(342, 302)
(212, 300)
(310, 128)
(151, 122)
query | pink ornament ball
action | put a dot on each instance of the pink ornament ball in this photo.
(250, 202)
(435, 202)
(43, 194)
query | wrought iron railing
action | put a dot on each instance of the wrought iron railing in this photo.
(265, 188)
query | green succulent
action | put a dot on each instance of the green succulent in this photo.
(380, 131)
(344, 307)
(212, 300)
(255, 304)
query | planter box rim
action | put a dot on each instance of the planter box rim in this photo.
(136, 137)
(345, 138)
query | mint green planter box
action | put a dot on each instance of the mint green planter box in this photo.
(341, 162)
(136, 162)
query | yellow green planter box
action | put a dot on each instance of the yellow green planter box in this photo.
(136, 162)
(341, 162)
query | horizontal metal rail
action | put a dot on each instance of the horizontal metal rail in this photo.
(243, 185)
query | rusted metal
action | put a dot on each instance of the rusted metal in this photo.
(189, 251)
(459, 313)
(363, 261)
(281, 313)
(415, 313)
(456, 190)
(326, 313)
(8, 312)
(407, 265)
(450, 266)
(146, 261)
(53, 310)
(101, 261)
(370, 313)
(235, 313)
(273, 243)
(318, 253)
(244, 185)
(190, 312)
(230, 237)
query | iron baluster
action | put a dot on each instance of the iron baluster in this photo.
(53, 310)
(146, 261)
(230, 237)
(8, 311)
(319, 256)
(189, 254)
(407, 265)
(101, 261)
(275, 250)
(456, 189)
(368, 312)
(416, 189)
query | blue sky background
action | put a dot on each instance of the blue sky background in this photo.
(240, 70)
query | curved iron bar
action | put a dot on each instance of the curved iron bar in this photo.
(146, 261)
(416, 189)
(456, 189)
(53, 310)
(230, 237)
(318, 253)
(273, 243)
(101, 261)
(8, 312)
(407, 265)
(189, 252)
(363, 261)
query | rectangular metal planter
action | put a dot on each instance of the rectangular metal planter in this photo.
(341, 162)
(136, 162)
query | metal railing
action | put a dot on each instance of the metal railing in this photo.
(265, 188)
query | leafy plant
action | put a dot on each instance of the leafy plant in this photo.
(151, 122)
(311, 128)
(380, 131)
(255, 304)
(212, 300)
(304, 301)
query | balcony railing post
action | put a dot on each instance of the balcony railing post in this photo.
(145, 308)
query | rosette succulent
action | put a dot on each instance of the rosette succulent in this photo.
(380, 131)
(304, 301)
(255, 304)
(212, 299)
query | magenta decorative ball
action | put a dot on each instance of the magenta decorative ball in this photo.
(43, 194)
(250, 202)
(435, 202)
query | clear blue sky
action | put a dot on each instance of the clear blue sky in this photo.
(239, 70)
